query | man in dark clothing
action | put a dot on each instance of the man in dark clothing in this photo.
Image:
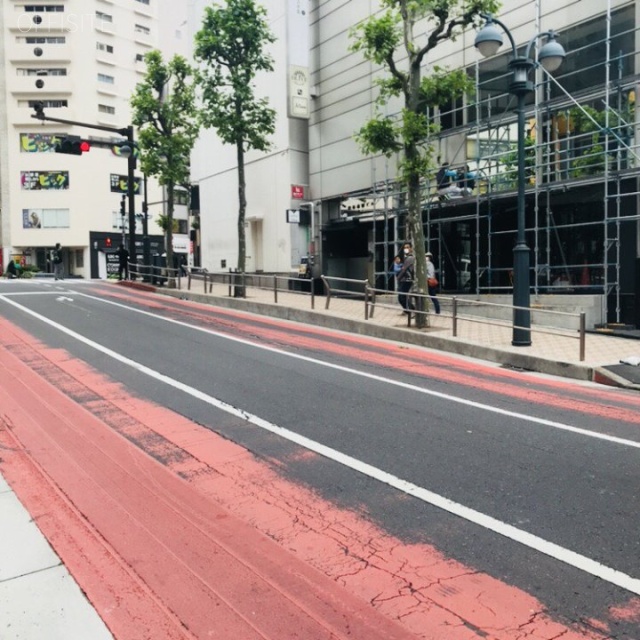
(123, 262)
(58, 266)
(405, 278)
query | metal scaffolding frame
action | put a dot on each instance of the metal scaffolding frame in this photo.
(561, 158)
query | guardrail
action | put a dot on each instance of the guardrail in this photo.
(331, 291)
(579, 332)
(158, 276)
(236, 284)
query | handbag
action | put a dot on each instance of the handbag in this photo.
(432, 282)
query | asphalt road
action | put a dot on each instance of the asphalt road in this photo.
(532, 480)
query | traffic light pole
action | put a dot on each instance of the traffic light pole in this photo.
(146, 248)
(126, 132)
(131, 165)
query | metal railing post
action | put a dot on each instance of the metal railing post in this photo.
(275, 288)
(366, 301)
(327, 291)
(454, 317)
(583, 326)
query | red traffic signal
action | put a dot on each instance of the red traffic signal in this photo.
(73, 145)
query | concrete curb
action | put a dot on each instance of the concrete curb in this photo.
(410, 336)
(604, 376)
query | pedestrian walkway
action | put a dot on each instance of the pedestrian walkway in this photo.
(551, 353)
(38, 597)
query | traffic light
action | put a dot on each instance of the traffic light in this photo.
(73, 145)
(107, 243)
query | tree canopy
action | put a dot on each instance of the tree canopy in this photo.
(232, 49)
(391, 40)
(166, 114)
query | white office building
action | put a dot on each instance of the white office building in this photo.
(81, 59)
(582, 167)
(277, 180)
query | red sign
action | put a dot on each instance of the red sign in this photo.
(297, 192)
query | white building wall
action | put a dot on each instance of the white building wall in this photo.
(92, 207)
(272, 243)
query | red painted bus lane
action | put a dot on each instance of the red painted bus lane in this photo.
(408, 359)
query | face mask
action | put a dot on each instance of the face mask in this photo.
(407, 250)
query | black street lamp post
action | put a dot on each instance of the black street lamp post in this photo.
(488, 40)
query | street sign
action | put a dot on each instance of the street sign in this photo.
(293, 216)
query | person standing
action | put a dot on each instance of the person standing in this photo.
(183, 266)
(123, 262)
(432, 282)
(405, 277)
(58, 266)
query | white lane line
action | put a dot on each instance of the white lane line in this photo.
(550, 549)
(371, 376)
(33, 293)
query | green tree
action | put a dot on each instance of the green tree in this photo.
(166, 114)
(590, 127)
(389, 40)
(232, 49)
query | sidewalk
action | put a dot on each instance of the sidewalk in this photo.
(38, 596)
(551, 354)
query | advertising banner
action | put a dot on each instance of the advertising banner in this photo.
(119, 184)
(39, 142)
(38, 180)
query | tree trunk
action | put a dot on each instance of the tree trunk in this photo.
(239, 290)
(414, 194)
(170, 207)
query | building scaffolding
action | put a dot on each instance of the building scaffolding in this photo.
(582, 170)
